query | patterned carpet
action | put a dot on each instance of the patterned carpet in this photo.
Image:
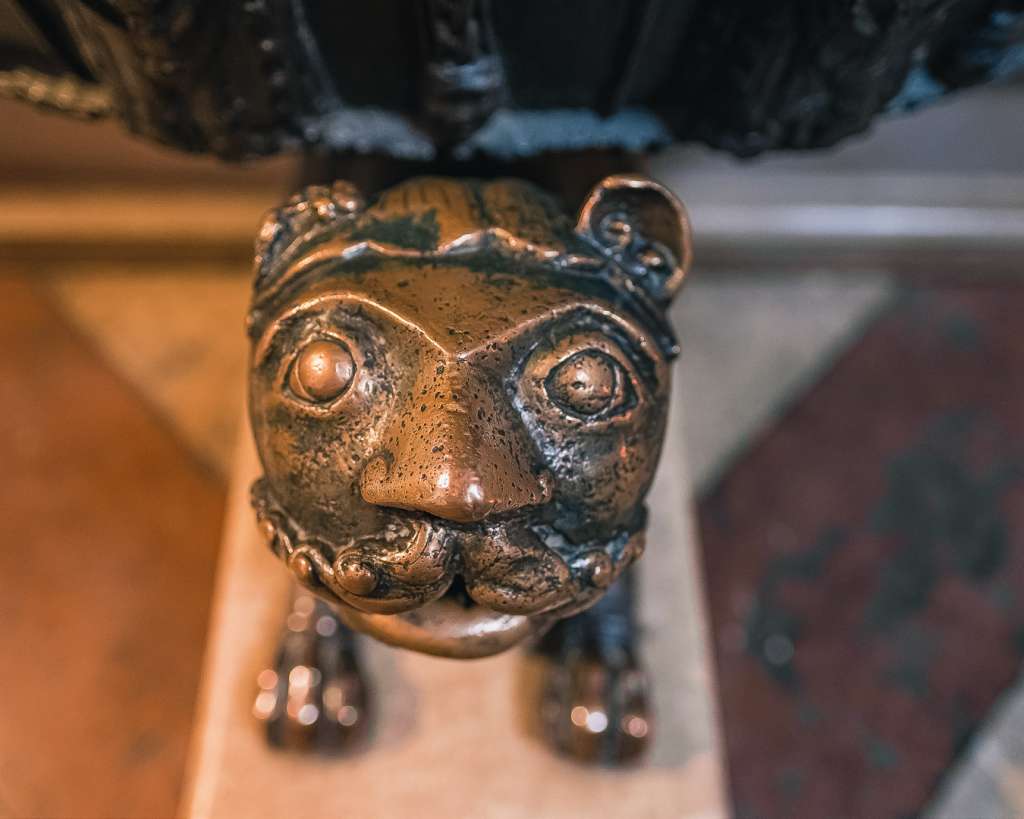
(864, 568)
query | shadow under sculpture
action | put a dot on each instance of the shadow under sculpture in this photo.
(459, 397)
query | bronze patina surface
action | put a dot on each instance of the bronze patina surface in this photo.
(459, 396)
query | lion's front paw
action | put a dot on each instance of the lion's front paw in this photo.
(315, 696)
(595, 709)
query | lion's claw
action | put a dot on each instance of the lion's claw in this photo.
(595, 709)
(315, 697)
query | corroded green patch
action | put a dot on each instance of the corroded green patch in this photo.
(420, 232)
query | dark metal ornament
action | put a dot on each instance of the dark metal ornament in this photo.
(463, 74)
(436, 79)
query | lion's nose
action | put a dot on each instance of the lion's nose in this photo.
(455, 461)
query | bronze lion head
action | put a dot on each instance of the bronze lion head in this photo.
(459, 396)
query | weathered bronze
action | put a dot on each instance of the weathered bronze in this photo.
(459, 397)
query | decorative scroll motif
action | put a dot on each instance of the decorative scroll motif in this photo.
(464, 80)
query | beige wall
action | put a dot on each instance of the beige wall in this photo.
(37, 146)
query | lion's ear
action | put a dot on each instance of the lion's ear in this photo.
(644, 228)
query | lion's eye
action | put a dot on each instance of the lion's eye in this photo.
(322, 371)
(589, 383)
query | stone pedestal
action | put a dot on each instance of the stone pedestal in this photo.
(451, 737)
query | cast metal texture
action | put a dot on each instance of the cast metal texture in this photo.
(459, 396)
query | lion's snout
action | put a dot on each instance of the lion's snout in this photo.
(456, 452)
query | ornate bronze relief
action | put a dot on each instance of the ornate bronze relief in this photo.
(459, 398)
